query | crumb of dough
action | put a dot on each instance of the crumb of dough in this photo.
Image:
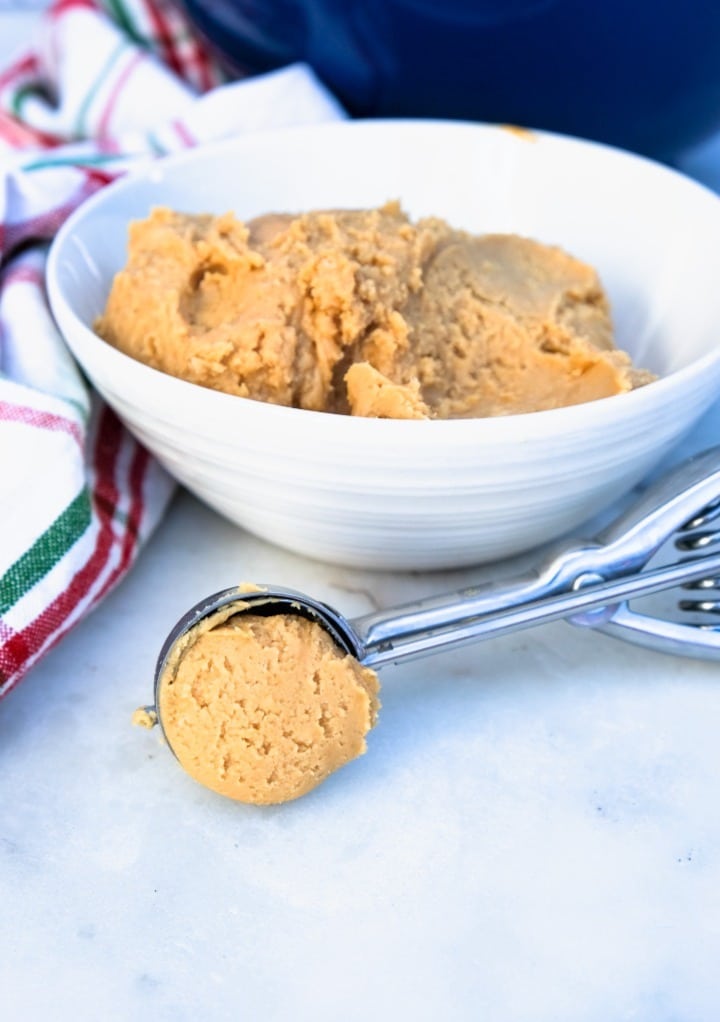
(144, 717)
(262, 709)
(375, 396)
(364, 312)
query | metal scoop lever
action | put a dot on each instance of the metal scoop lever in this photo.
(589, 584)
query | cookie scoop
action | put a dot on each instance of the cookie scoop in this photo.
(262, 692)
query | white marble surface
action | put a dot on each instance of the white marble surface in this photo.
(534, 833)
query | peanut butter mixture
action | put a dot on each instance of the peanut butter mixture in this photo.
(262, 709)
(365, 313)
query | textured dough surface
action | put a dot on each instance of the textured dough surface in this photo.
(262, 709)
(364, 312)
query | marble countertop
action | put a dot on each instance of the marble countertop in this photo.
(532, 835)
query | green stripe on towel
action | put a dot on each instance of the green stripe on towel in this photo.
(45, 552)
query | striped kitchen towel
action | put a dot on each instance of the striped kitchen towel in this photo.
(106, 85)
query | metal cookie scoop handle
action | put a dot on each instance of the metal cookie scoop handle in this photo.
(589, 584)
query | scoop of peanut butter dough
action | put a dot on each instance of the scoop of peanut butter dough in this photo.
(364, 312)
(262, 709)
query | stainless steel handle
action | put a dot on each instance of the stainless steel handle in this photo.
(411, 633)
(607, 571)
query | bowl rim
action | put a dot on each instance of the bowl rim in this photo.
(555, 420)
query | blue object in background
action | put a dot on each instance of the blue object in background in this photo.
(635, 73)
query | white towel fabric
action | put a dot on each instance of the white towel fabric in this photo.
(105, 86)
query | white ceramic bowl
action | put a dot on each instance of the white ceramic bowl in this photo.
(398, 494)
